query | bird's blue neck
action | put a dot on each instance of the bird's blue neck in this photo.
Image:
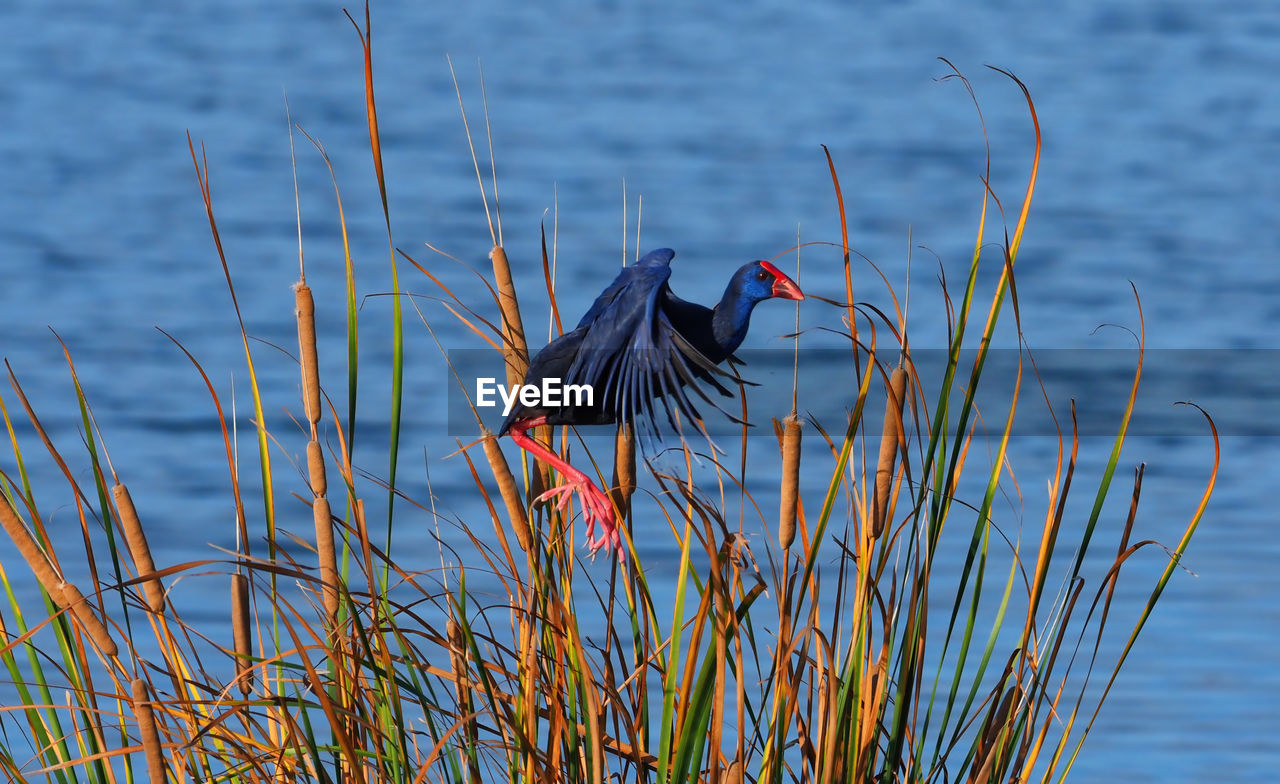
(731, 318)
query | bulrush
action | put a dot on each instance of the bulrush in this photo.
(309, 358)
(147, 731)
(514, 348)
(787, 508)
(240, 631)
(624, 470)
(70, 598)
(891, 440)
(138, 548)
(320, 509)
(507, 487)
(30, 551)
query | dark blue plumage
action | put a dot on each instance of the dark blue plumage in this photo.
(640, 347)
(639, 342)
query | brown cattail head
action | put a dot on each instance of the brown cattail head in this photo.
(507, 487)
(137, 541)
(315, 469)
(733, 773)
(306, 308)
(790, 481)
(999, 719)
(892, 439)
(624, 470)
(457, 653)
(74, 601)
(328, 556)
(514, 348)
(30, 551)
(240, 631)
(147, 731)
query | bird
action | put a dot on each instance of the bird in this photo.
(639, 347)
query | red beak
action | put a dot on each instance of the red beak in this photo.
(783, 286)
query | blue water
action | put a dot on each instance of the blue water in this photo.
(1161, 168)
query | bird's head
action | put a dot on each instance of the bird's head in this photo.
(760, 280)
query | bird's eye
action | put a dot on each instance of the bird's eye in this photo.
(762, 275)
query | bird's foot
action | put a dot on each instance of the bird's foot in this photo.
(596, 508)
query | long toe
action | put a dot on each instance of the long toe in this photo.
(559, 496)
(596, 508)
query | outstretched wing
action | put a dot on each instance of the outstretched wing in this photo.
(634, 358)
(655, 263)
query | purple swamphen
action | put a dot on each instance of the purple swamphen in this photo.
(638, 346)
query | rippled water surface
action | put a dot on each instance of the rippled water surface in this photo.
(1161, 169)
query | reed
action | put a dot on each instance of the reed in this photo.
(327, 551)
(242, 635)
(789, 503)
(147, 731)
(72, 600)
(863, 664)
(507, 489)
(892, 441)
(315, 469)
(624, 470)
(136, 538)
(29, 550)
(309, 356)
(515, 350)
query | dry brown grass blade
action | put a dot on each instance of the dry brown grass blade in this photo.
(550, 280)
(892, 440)
(46, 440)
(241, 524)
(138, 547)
(375, 143)
(147, 730)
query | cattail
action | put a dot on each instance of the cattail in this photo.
(146, 717)
(462, 689)
(790, 481)
(30, 551)
(138, 548)
(733, 773)
(1000, 718)
(74, 601)
(514, 349)
(624, 470)
(240, 633)
(315, 469)
(328, 556)
(891, 439)
(507, 487)
(306, 309)
(457, 658)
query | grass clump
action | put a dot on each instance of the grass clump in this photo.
(840, 654)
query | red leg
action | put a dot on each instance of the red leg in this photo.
(596, 506)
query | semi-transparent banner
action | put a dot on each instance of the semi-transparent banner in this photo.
(1240, 389)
